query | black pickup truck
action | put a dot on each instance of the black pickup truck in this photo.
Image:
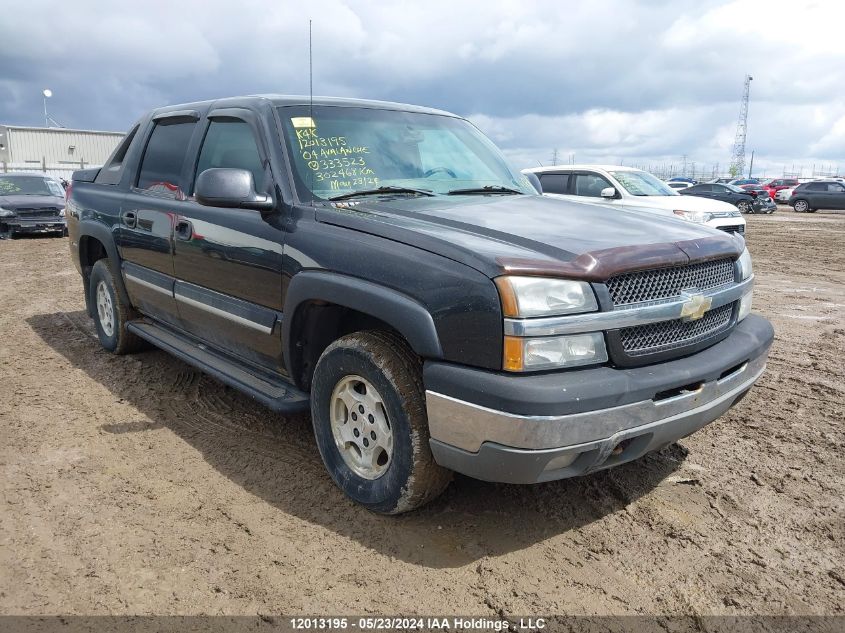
(382, 266)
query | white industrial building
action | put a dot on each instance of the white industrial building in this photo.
(55, 151)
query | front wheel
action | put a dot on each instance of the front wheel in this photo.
(744, 207)
(801, 206)
(369, 416)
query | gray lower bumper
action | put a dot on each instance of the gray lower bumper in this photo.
(36, 225)
(495, 445)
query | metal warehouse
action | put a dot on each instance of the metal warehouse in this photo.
(56, 151)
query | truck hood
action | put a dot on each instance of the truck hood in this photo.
(527, 234)
(13, 203)
(680, 202)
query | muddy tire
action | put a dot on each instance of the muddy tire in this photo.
(369, 416)
(111, 314)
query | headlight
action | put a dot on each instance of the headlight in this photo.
(5, 213)
(745, 305)
(539, 296)
(61, 213)
(694, 216)
(553, 352)
(745, 267)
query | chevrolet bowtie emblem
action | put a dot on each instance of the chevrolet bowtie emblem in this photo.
(695, 305)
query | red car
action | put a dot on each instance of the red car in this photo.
(776, 184)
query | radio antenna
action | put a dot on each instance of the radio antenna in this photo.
(311, 101)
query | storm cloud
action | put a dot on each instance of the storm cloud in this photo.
(600, 81)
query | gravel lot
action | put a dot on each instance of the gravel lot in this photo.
(136, 485)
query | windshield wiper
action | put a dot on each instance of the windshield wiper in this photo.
(380, 191)
(483, 190)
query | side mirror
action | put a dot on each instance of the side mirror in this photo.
(227, 187)
(608, 192)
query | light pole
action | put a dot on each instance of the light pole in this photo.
(47, 94)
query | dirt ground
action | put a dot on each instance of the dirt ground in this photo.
(137, 485)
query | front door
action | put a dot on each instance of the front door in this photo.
(228, 261)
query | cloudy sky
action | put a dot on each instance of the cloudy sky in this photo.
(639, 82)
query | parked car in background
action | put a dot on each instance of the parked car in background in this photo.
(777, 184)
(744, 181)
(690, 181)
(821, 194)
(745, 201)
(636, 190)
(720, 180)
(763, 202)
(31, 203)
(678, 184)
(783, 195)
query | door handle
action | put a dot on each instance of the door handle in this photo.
(184, 230)
(129, 219)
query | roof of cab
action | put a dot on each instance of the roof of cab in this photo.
(302, 100)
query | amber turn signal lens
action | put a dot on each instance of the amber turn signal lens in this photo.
(512, 355)
(506, 293)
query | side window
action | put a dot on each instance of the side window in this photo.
(161, 166)
(816, 186)
(231, 144)
(111, 172)
(554, 183)
(590, 185)
(835, 187)
(704, 188)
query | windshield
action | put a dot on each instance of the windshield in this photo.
(29, 186)
(339, 150)
(642, 183)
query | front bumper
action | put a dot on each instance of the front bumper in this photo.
(35, 225)
(729, 225)
(527, 429)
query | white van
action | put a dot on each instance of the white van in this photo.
(629, 188)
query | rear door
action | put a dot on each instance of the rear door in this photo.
(555, 183)
(702, 191)
(148, 213)
(834, 197)
(815, 193)
(228, 261)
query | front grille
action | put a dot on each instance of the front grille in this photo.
(667, 335)
(665, 283)
(37, 213)
(734, 228)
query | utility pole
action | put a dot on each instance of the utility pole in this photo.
(751, 166)
(554, 156)
(738, 157)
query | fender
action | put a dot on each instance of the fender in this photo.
(102, 233)
(404, 314)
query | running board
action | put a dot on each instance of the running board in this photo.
(275, 394)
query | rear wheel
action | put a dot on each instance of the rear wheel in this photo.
(801, 206)
(111, 313)
(369, 416)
